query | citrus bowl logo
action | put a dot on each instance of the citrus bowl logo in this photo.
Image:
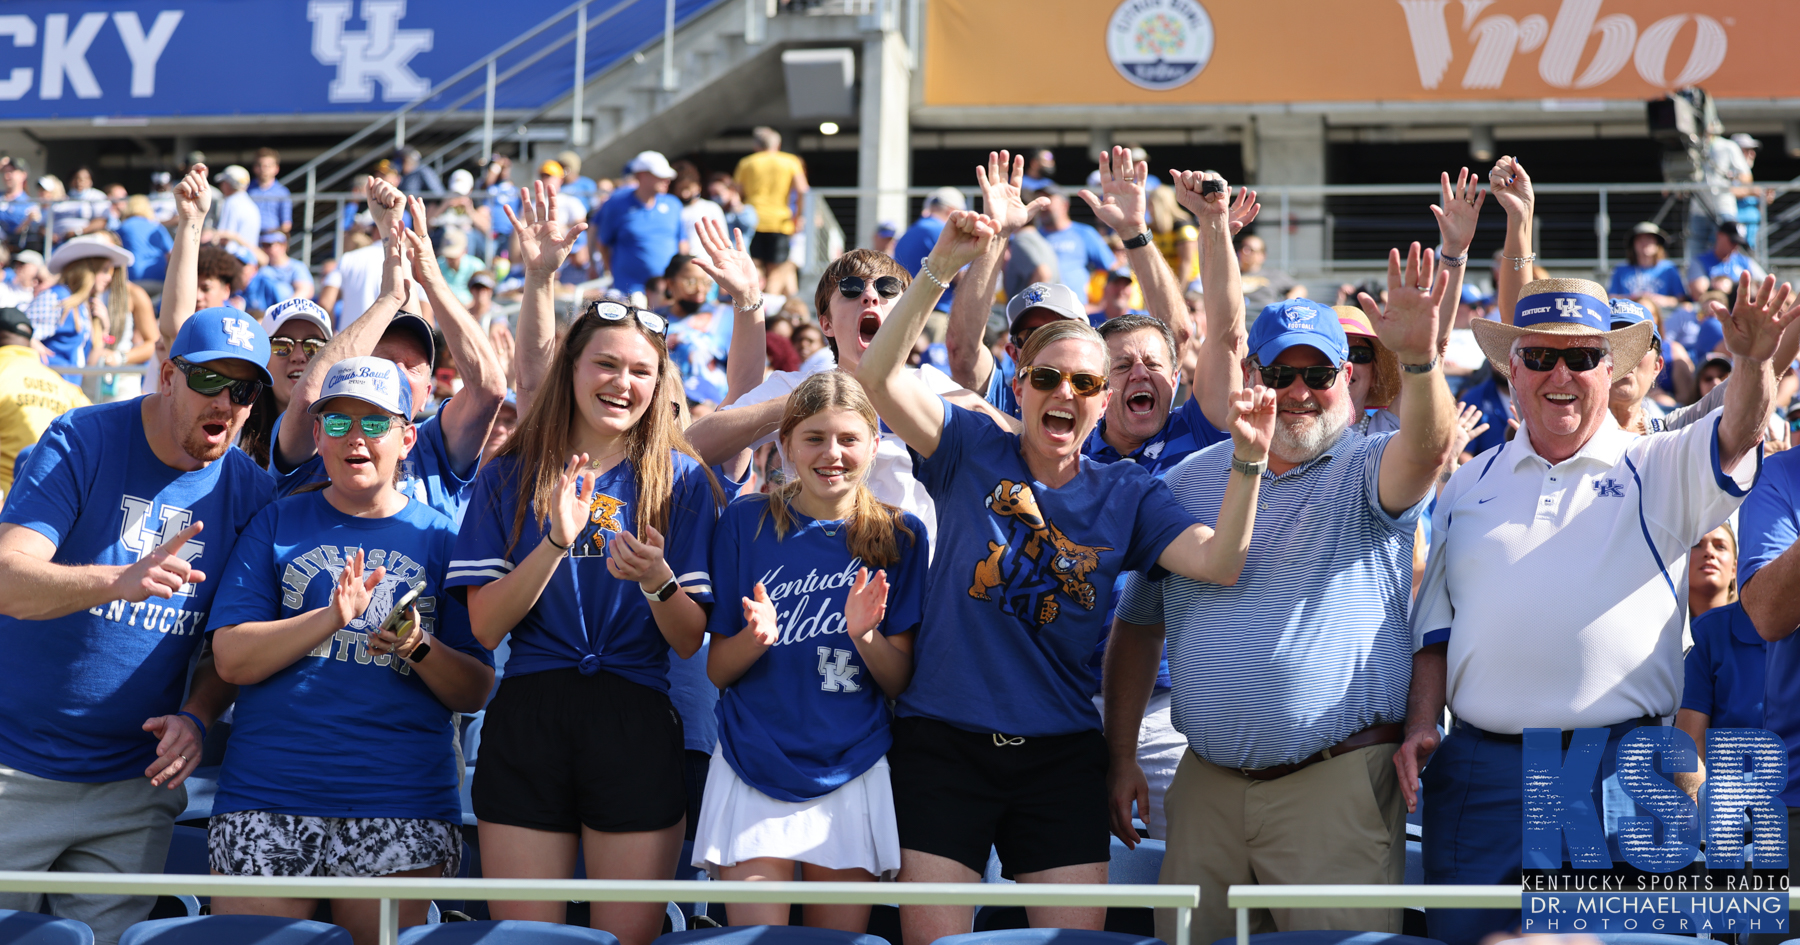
(1159, 44)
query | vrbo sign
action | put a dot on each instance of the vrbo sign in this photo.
(1582, 48)
(1658, 891)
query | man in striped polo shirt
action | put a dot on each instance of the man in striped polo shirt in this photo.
(1290, 686)
(1557, 594)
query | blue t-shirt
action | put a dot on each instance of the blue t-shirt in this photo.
(1487, 398)
(13, 214)
(696, 699)
(1709, 264)
(502, 193)
(1707, 339)
(1000, 388)
(1664, 278)
(1020, 579)
(1724, 669)
(79, 688)
(1078, 250)
(341, 732)
(272, 203)
(585, 618)
(71, 337)
(806, 717)
(699, 351)
(915, 244)
(642, 239)
(426, 475)
(149, 243)
(1769, 519)
(271, 285)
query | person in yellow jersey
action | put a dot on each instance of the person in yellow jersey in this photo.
(768, 179)
(31, 395)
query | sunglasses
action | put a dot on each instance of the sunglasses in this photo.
(209, 383)
(282, 347)
(851, 287)
(1362, 354)
(611, 311)
(1578, 359)
(374, 426)
(1281, 376)
(1048, 379)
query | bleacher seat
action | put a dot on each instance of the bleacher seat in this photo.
(1324, 937)
(767, 935)
(31, 928)
(1135, 867)
(505, 932)
(234, 930)
(1046, 937)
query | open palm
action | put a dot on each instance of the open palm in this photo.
(1002, 190)
(544, 243)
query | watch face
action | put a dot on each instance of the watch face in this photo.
(419, 652)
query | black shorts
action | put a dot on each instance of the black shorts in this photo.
(769, 247)
(560, 751)
(1041, 802)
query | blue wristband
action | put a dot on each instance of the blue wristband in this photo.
(197, 723)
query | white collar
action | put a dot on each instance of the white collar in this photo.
(1605, 448)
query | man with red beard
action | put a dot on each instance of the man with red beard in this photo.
(105, 529)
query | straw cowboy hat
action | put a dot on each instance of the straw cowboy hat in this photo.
(1563, 307)
(87, 247)
(1386, 383)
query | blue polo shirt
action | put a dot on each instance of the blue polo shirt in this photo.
(913, 246)
(1486, 396)
(641, 237)
(1725, 669)
(272, 203)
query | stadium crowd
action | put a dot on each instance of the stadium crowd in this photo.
(1126, 536)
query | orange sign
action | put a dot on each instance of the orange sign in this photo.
(1103, 52)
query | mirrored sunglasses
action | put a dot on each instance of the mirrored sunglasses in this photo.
(1048, 379)
(374, 426)
(209, 383)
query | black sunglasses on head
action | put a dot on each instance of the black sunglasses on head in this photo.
(1579, 360)
(851, 287)
(1281, 376)
(611, 311)
(208, 382)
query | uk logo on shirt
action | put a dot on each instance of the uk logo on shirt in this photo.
(1609, 488)
(147, 526)
(1036, 563)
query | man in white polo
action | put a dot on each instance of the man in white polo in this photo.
(1557, 587)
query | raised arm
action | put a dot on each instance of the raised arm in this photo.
(1225, 343)
(1456, 220)
(182, 290)
(1216, 555)
(905, 404)
(1409, 328)
(1753, 329)
(728, 263)
(971, 363)
(470, 414)
(1512, 187)
(543, 246)
(1121, 207)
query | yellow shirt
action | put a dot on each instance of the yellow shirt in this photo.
(1169, 244)
(765, 179)
(31, 395)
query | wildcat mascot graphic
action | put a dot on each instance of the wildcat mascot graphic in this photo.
(1036, 561)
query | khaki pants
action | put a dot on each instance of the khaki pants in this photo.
(1338, 821)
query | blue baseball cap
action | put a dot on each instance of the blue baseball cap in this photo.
(223, 334)
(1472, 294)
(1293, 322)
(1626, 313)
(371, 380)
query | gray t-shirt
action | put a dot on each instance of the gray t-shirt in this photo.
(1029, 251)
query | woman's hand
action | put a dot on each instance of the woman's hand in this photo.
(574, 499)
(401, 642)
(193, 198)
(728, 263)
(760, 619)
(1456, 217)
(543, 245)
(631, 559)
(1252, 422)
(866, 606)
(418, 240)
(386, 204)
(351, 595)
(1001, 192)
(966, 236)
(1511, 186)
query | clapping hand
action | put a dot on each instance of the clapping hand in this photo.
(760, 619)
(574, 500)
(1001, 191)
(1754, 326)
(1121, 205)
(1408, 327)
(631, 559)
(543, 244)
(354, 589)
(866, 606)
(727, 262)
(1512, 186)
(1252, 423)
(966, 236)
(1461, 206)
(161, 572)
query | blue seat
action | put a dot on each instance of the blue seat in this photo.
(1045, 937)
(187, 853)
(234, 930)
(1415, 863)
(1135, 867)
(31, 928)
(506, 932)
(768, 935)
(1324, 937)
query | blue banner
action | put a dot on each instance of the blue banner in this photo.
(155, 58)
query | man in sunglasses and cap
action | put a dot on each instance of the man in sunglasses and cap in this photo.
(117, 522)
(1574, 502)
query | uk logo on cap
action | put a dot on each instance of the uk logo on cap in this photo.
(1035, 294)
(237, 333)
(1569, 307)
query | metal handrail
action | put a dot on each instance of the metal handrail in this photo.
(391, 891)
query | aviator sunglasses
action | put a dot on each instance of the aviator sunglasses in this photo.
(618, 311)
(1579, 360)
(851, 287)
(374, 426)
(282, 347)
(1048, 379)
(208, 382)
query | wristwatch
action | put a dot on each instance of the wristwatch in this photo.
(663, 593)
(1419, 368)
(421, 651)
(1142, 239)
(1249, 469)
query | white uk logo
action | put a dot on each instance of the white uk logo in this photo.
(839, 675)
(1498, 36)
(237, 332)
(378, 54)
(141, 534)
(1568, 308)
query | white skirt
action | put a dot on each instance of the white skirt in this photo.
(852, 827)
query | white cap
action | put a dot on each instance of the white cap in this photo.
(461, 182)
(305, 310)
(234, 173)
(946, 197)
(652, 161)
(372, 380)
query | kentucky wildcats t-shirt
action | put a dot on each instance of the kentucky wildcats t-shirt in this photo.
(806, 718)
(587, 619)
(426, 475)
(76, 690)
(342, 732)
(1020, 580)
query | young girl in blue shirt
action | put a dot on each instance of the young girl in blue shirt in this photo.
(807, 658)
